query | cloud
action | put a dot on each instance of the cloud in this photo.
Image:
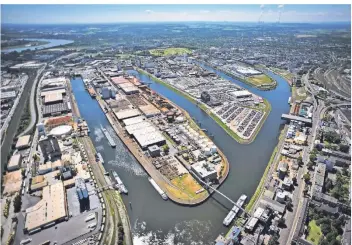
(204, 11)
(281, 6)
(149, 11)
(262, 6)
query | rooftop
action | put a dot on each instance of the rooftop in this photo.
(23, 141)
(52, 207)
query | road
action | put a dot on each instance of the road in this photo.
(32, 101)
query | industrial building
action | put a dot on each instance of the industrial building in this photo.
(149, 110)
(82, 194)
(12, 182)
(49, 147)
(23, 142)
(56, 109)
(241, 94)
(205, 97)
(14, 162)
(51, 209)
(8, 95)
(204, 170)
(128, 113)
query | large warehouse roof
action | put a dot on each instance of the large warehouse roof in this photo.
(127, 113)
(133, 120)
(241, 93)
(51, 208)
(133, 127)
(147, 139)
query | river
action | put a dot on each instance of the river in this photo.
(52, 43)
(155, 221)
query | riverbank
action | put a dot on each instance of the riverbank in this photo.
(116, 210)
(248, 81)
(211, 114)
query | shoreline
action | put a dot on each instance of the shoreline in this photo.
(229, 131)
(149, 167)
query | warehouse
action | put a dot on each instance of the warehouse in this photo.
(119, 80)
(129, 88)
(14, 163)
(53, 91)
(55, 109)
(53, 98)
(242, 94)
(8, 95)
(204, 170)
(50, 209)
(149, 110)
(133, 120)
(137, 126)
(124, 114)
(23, 142)
(146, 139)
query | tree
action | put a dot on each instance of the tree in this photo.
(306, 177)
(289, 205)
(300, 160)
(23, 172)
(310, 164)
(274, 240)
(325, 228)
(166, 148)
(312, 157)
(281, 221)
(17, 203)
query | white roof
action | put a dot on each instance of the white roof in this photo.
(241, 93)
(127, 113)
(133, 120)
(61, 130)
(146, 139)
(258, 213)
(133, 127)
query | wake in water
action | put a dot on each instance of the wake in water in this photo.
(99, 135)
(99, 148)
(193, 232)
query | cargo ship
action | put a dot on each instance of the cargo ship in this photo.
(92, 93)
(108, 136)
(289, 100)
(100, 158)
(119, 184)
(234, 211)
(158, 189)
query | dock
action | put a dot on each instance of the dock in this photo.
(108, 136)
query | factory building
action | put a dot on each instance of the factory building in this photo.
(106, 93)
(204, 171)
(154, 151)
(82, 194)
(49, 147)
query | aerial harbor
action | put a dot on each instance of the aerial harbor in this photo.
(176, 124)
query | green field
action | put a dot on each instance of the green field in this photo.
(314, 233)
(170, 51)
(260, 80)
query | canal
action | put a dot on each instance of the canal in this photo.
(155, 221)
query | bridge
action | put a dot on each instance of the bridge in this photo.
(288, 117)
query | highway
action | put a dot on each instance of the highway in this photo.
(32, 104)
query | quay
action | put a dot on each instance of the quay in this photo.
(172, 191)
(158, 189)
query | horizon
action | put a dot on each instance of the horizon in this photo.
(111, 14)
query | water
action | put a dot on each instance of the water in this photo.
(52, 43)
(155, 221)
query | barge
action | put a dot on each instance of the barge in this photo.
(108, 136)
(158, 189)
(119, 184)
(100, 158)
(234, 211)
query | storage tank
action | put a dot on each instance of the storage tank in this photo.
(282, 173)
(207, 151)
(213, 149)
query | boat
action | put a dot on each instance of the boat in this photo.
(100, 158)
(234, 211)
(289, 100)
(119, 183)
(158, 189)
(108, 136)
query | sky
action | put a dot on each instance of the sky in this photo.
(65, 14)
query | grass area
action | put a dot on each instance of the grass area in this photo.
(170, 51)
(314, 233)
(298, 94)
(189, 185)
(260, 80)
(261, 183)
(287, 75)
